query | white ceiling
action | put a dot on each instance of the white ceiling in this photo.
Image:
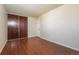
(30, 9)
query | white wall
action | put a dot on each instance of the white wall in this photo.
(61, 25)
(38, 26)
(3, 27)
(32, 27)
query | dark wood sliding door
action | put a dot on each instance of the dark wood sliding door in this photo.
(12, 26)
(17, 26)
(23, 27)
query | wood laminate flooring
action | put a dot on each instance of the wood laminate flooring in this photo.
(36, 46)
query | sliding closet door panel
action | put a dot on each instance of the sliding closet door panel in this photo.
(23, 26)
(12, 26)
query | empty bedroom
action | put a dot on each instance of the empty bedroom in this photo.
(39, 29)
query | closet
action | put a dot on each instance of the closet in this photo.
(17, 27)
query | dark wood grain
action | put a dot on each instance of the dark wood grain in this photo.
(23, 26)
(36, 46)
(19, 29)
(12, 29)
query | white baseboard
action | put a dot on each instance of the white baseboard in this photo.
(62, 44)
(3, 46)
(32, 36)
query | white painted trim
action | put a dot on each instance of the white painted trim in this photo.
(3, 46)
(62, 44)
(32, 36)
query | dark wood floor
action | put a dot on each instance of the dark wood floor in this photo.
(35, 46)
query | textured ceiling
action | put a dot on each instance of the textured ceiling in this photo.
(30, 9)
